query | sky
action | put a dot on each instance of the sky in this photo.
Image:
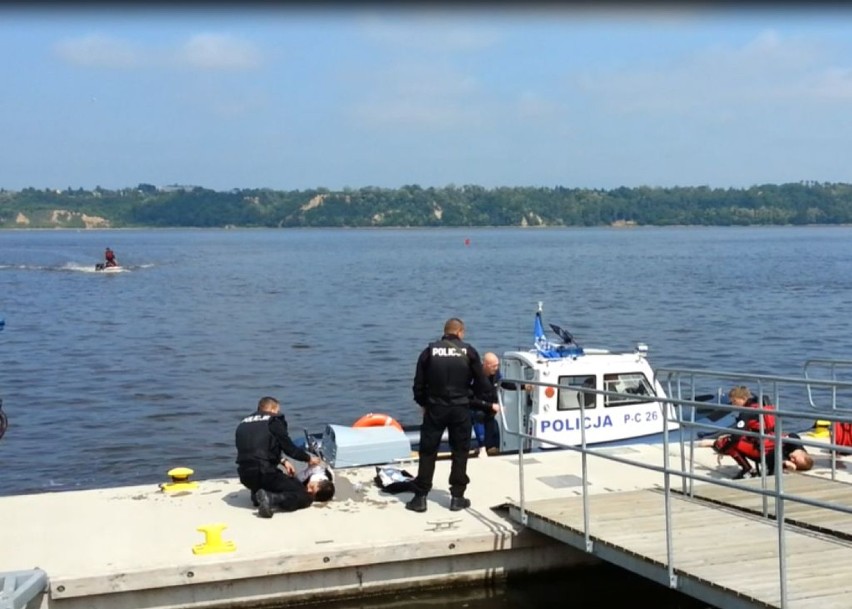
(349, 96)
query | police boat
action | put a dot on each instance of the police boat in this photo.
(556, 392)
(553, 404)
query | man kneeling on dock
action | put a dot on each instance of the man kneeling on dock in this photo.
(261, 439)
(746, 450)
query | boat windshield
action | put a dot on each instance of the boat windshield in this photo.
(570, 399)
(633, 383)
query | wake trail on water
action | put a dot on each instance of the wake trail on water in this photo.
(71, 266)
(90, 268)
(68, 267)
(74, 267)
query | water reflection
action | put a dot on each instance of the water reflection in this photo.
(578, 588)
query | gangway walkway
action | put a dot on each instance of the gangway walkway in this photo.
(780, 542)
(835, 523)
(725, 556)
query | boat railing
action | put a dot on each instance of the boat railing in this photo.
(681, 411)
(807, 397)
(833, 367)
(683, 382)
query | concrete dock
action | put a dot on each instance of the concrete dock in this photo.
(132, 547)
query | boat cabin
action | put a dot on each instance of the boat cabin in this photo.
(555, 392)
(553, 403)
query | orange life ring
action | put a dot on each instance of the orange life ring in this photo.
(377, 420)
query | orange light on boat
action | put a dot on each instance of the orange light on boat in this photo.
(550, 392)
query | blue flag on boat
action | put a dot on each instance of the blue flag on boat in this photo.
(550, 350)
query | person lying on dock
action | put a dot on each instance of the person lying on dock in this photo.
(745, 450)
(261, 439)
(794, 456)
(318, 480)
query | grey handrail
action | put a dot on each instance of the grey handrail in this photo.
(673, 413)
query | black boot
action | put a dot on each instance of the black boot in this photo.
(745, 474)
(459, 503)
(417, 504)
(254, 500)
(264, 505)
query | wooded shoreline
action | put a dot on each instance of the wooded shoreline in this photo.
(147, 206)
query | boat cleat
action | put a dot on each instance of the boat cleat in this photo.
(179, 480)
(213, 542)
(822, 429)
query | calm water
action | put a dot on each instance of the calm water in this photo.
(113, 379)
(586, 588)
(116, 378)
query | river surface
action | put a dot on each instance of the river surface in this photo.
(594, 587)
(114, 378)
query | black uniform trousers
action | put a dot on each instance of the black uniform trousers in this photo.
(288, 494)
(457, 421)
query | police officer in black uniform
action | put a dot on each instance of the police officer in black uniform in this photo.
(261, 439)
(446, 371)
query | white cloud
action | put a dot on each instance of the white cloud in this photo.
(834, 84)
(430, 32)
(98, 51)
(768, 50)
(766, 71)
(532, 106)
(201, 52)
(218, 52)
(413, 114)
(235, 106)
(418, 96)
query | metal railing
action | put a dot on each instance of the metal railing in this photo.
(681, 412)
(679, 382)
(832, 367)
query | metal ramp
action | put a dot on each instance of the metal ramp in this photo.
(726, 557)
(18, 588)
(833, 522)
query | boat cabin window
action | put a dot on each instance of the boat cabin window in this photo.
(633, 383)
(570, 399)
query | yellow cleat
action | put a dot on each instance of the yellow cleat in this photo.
(180, 480)
(822, 429)
(213, 543)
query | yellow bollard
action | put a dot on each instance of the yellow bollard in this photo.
(213, 540)
(822, 429)
(180, 480)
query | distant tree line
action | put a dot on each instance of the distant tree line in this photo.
(413, 206)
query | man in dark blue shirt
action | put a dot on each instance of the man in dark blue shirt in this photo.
(485, 426)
